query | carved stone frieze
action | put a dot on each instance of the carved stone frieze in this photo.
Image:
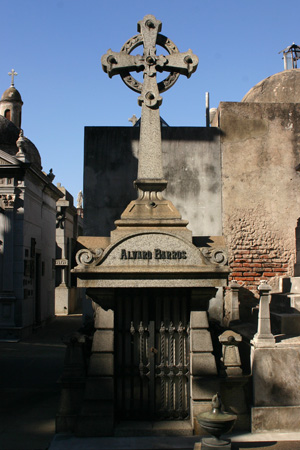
(7, 201)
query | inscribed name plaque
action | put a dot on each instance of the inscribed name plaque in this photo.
(152, 249)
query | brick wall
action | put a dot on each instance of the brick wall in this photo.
(256, 251)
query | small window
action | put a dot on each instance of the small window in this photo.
(7, 114)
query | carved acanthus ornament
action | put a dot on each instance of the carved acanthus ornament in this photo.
(7, 200)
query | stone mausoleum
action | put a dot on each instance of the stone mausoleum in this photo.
(27, 227)
(194, 284)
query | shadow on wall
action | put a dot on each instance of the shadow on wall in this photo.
(108, 176)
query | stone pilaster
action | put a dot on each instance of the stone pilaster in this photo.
(97, 414)
(204, 382)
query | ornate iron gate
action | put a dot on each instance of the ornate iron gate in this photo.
(152, 354)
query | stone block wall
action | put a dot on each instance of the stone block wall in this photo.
(191, 164)
(260, 189)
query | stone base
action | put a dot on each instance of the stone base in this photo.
(161, 428)
(66, 300)
(275, 418)
(213, 444)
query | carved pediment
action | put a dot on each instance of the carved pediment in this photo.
(4, 162)
(148, 249)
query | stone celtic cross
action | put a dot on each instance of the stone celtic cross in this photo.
(150, 172)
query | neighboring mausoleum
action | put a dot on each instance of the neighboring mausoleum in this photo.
(27, 227)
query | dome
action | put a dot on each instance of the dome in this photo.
(283, 87)
(9, 135)
(11, 95)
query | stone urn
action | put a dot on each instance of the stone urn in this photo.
(216, 422)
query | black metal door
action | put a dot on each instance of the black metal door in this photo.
(152, 354)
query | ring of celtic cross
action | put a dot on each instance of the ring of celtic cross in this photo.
(162, 41)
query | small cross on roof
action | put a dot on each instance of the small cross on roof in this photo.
(12, 74)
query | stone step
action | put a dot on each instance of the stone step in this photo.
(285, 323)
(162, 428)
(290, 285)
(272, 440)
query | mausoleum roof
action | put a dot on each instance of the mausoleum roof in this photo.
(9, 135)
(282, 87)
(11, 94)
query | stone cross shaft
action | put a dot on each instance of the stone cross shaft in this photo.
(12, 74)
(150, 170)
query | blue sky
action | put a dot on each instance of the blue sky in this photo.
(56, 48)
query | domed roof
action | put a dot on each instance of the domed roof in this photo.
(11, 95)
(283, 87)
(9, 135)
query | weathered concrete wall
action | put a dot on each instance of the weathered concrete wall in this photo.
(276, 383)
(260, 187)
(192, 165)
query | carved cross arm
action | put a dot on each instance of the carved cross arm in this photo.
(114, 63)
(184, 63)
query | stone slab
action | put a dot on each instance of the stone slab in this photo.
(201, 341)
(199, 319)
(101, 364)
(158, 280)
(103, 341)
(104, 318)
(203, 364)
(250, 441)
(285, 418)
(276, 376)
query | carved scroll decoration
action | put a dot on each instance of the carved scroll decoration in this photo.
(87, 257)
(216, 256)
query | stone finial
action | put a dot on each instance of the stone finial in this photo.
(264, 337)
(231, 357)
(79, 199)
(21, 155)
(51, 175)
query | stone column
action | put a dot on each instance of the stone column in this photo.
(97, 415)
(264, 337)
(232, 311)
(7, 297)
